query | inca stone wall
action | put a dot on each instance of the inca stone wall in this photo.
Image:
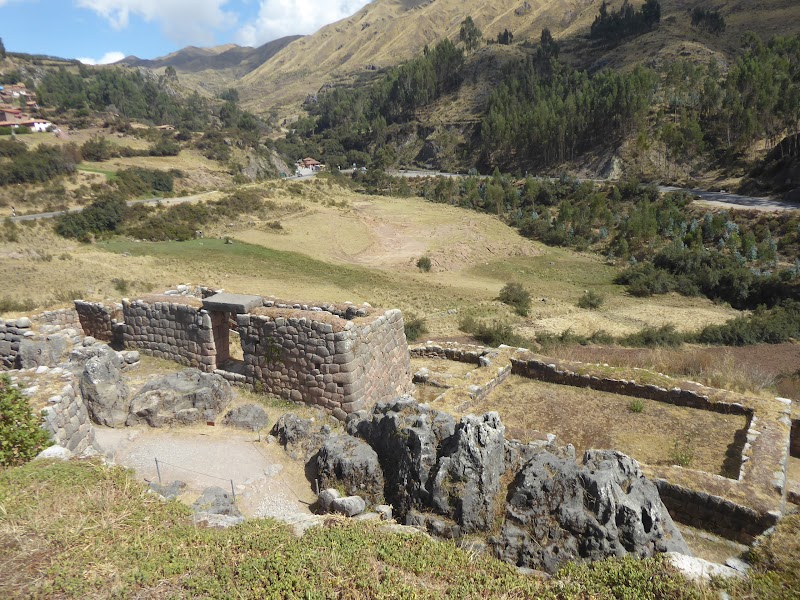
(64, 318)
(97, 319)
(12, 332)
(170, 327)
(66, 418)
(318, 357)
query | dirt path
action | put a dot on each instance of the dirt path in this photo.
(266, 481)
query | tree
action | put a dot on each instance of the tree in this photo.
(170, 73)
(505, 38)
(470, 35)
(548, 44)
(2, 49)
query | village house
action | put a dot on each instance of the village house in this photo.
(309, 163)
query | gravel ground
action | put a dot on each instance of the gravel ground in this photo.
(267, 483)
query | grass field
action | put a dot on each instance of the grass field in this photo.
(335, 245)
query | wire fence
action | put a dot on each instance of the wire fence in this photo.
(165, 463)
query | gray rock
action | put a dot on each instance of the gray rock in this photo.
(130, 357)
(23, 322)
(467, 478)
(326, 498)
(180, 398)
(300, 437)
(249, 416)
(216, 501)
(406, 437)
(54, 453)
(81, 355)
(169, 491)
(559, 511)
(349, 506)
(385, 512)
(351, 464)
(104, 392)
(213, 521)
(700, 570)
(43, 353)
(89, 341)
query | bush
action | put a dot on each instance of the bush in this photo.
(96, 149)
(494, 334)
(103, 215)
(591, 300)
(424, 264)
(517, 297)
(765, 326)
(646, 280)
(415, 327)
(21, 437)
(636, 405)
(681, 454)
(654, 337)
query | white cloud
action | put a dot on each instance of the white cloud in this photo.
(184, 21)
(106, 59)
(278, 18)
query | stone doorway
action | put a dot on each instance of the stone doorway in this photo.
(223, 309)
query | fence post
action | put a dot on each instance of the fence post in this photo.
(158, 470)
(233, 491)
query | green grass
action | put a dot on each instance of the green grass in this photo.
(110, 175)
(79, 530)
(241, 258)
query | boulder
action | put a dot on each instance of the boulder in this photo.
(350, 506)
(180, 398)
(43, 353)
(79, 356)
(104, 392)
(559, 511)
(216, 501)
(347, 463)
(467, 479)
(300, 437)
(326, 498)
(249, 416)
(406, 436)
(54, 453)
(168, 491)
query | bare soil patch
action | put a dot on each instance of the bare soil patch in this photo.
(591, 419)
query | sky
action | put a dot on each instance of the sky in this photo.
(104, 31)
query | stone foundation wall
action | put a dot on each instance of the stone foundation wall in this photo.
(67, 420)
(712, 513)
(12, 332)
(317, 357)
(64, 318)
(550, 372)
(170, 327)
(97, 319)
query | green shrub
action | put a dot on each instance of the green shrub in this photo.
(424, 264)
(771, 326)
(101, 216)
(654, 337)
(636, 405)
(681, 454)
(646, 280)
(494, 334)
(517, 297)
(96, 149)
(21, 437)
(415, 327)
(591, 300)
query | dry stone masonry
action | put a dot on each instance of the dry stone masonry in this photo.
(12, 333)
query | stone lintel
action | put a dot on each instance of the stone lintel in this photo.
(232, 303)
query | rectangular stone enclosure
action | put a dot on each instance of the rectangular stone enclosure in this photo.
(340, 357)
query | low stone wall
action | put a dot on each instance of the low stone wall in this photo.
(64, 318)
(97, 319)
(12, 332)
(713, 513)
(458, 353)
(679, 396)
(318, 357)
(67, 420)
(170, 327)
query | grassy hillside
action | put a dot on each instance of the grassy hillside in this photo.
(386, 32)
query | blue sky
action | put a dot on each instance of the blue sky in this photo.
(103, 30)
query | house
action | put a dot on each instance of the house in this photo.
(310, 163)
(37, 125)
(11, 114)
(165, 128)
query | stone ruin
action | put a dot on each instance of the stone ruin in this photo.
(340, 357)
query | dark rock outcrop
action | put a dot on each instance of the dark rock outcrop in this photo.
(216, 501)
(347, 463)
(300, 437)
(185, 397)
(44, 353)
(104, 391)
(558, 511)
(406, 437)
(249, 416)
(467, 478)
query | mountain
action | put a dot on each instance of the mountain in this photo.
(210, 70)
(386, 32)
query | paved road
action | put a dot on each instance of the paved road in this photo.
(152, 201)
